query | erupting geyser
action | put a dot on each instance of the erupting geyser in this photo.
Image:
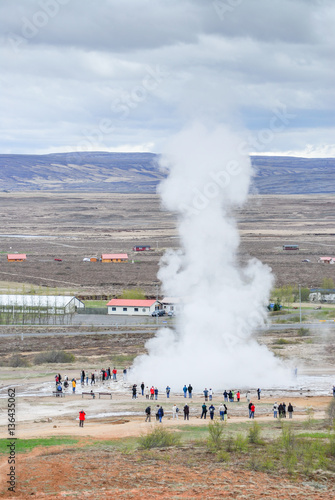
(209, 176)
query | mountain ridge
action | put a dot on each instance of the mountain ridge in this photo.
(140, 173)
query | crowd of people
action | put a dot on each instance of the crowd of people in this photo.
(151, 393)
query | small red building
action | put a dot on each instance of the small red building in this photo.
(114, 257)
(16, 257)
(141, 248)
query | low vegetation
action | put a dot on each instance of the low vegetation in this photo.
(158, 438)
(303, 332)
(18, 361)
(54, 357)
(133, 293)
(25, 445)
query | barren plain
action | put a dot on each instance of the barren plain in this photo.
(74, 226)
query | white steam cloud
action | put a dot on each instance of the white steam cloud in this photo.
(212, 345)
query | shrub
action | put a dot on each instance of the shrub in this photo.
(215, 440)
(17, 360)
(241, 443)
(254, 434)
(303, 332)
(54, 357)
(281, 342)
(158, 438)
(288, 444)
(222, 456)
(310, 420)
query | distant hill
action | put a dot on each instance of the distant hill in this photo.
(139, 173)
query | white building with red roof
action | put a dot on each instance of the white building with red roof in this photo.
(132, 307)
(327, 260)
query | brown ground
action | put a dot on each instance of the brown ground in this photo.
(185, 474)
(82, 225)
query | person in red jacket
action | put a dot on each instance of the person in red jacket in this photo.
(114, 373)
(238, 396)
(82, 415)
(152, 392)
(252, 410)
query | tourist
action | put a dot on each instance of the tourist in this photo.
(249, 408)
(238, 396)
(225, 395)
(334, 391)
(280, 410)
(210, 394)
(175, 411)
(290, 410)
(167, 390)
(74, 383)
(109, 375)
(259, 393)
(125, 374)
(152, 392)
(66, 384)
(86, 378)
(211, 411)
(206, 394)
(114, 373)
(185, 391)
(134, 391)
(156, 393)
(147, 392)
(284, 410)
(148, 414)
(231, 396)
(186, 412)
(275, 410)
(160, 413)
(221, 411)
(82, 378)
(252, 411)
(92, 378)
(157, 415)
(204, 411)
(82, 415)
(190, 389)
(142, 388)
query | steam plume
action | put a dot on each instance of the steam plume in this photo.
(212, 345)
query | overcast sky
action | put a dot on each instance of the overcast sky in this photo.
(123, 75)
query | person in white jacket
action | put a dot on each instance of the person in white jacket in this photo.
(275, 410)
(175, 412)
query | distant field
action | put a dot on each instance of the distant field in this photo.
(73, 226)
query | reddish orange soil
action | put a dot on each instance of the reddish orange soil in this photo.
(186, 473)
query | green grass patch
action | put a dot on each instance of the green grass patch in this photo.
(313, 435)
(95, 303)
(25, 445)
